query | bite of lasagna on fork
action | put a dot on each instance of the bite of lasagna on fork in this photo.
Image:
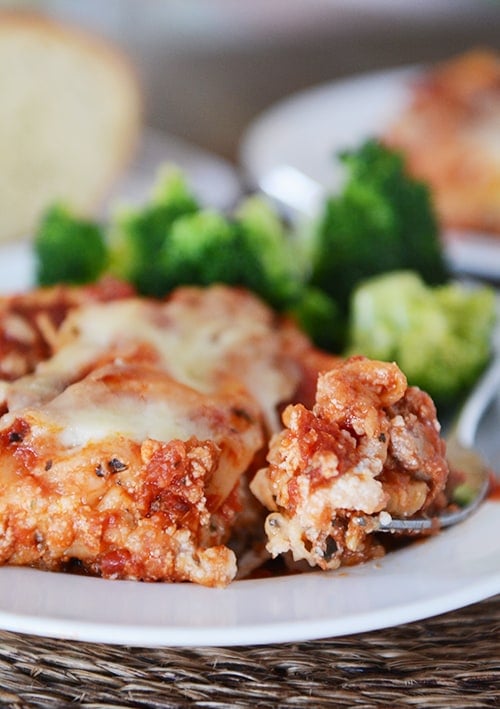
(370, 446)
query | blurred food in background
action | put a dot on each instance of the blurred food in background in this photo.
(70, 116)
(209, 68)
(450, 135)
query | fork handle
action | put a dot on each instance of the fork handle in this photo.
(477, 403)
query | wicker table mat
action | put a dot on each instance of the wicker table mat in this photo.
(449, 661)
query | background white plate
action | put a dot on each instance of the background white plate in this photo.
(460, 566)
(305, 131)
(213, 179)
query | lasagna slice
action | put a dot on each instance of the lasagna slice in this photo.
(124, 450)
(370, 446)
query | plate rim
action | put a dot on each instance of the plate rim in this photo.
(249, 633)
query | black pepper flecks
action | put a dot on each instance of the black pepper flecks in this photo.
(116, 466)
(15, 437)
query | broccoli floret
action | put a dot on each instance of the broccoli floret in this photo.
(137, 235)
(68, 248)
(200, 249)
(271, 265)
(440, 336)
(382, 220)
(250, 250)
(319, 316)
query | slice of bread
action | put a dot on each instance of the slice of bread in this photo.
(70, 113)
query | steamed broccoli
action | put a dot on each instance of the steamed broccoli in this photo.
(68, 248)
(253, 250)
(439, 336)
(270, 264)
(319, 316)
(200, 249)
(250, 249)
(137, 235)
(381, 221)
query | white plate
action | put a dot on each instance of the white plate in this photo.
(458, 567)
(305, 131)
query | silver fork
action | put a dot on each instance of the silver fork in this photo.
(461, 456)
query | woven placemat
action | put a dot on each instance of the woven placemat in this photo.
(449, 661)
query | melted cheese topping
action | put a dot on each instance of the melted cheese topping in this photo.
(138, 403)
(90, 414)
(201, 338)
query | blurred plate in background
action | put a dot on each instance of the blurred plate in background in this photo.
(214, 180)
